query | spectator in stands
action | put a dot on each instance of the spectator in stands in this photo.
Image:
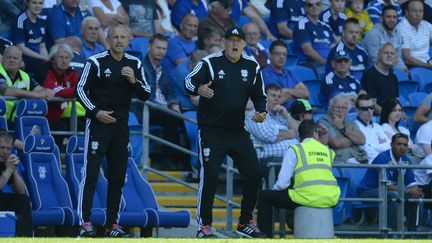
(313, 182)
(78, 61)
(424, 178)
(187, 102)
(335, 17)
(355, 10)
(181, 47)
(376, 139)
(301, 110)
(4, 43)
(181, 8)
(417, 35)
(344, 135)
(368, 187)
(109, 12)
(277, 73)
(382, 33)
(376, 7)
(218, 18)
(17, 201)
(15, 82)
(379, 81)
(424, 137)
(29, 34)
(210, 36)
(89, 30)
(339, 81)
(313, 38)
(278, 132)
(427, 9)
(143, 17)
(423, 113)
(10, 10)
(284, 15)
(358, 56)
(253, 47)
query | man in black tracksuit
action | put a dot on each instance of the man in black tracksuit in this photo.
(105, 91)
(225, 81)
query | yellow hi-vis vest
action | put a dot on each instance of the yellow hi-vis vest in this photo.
(80, 111)
(23, 83)
(314, 183)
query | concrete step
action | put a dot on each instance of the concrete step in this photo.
(155, 177)
(188, 201)
(170, 187)
(217, 212)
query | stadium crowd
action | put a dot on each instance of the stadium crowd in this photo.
(353, 66)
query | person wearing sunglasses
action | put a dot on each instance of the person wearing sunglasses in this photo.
(376, 139)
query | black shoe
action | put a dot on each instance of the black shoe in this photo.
(249, 230)
(116, 231)
(87, 230)
(205, 232)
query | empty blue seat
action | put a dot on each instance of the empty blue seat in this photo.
(416, 98)
(48, 190)
(407, 87)
(138, 47)
(422, 75)
(400, 74)
(242, 21)
(314, 86)
(303, 73)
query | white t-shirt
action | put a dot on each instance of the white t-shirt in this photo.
(416, 39)
(98, 4)
(388, 129)
(376, 140)
(424, 134)
(424, 177)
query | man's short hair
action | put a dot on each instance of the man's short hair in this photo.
(89, 19)
(57, 47)
(340, 97)
(399, 135)
(119, 26)
(350, 21)
(360, 98)
(388, 7)
(307, 128)
(5, 135)
(158, 37)
(277, 43)
(272, 86)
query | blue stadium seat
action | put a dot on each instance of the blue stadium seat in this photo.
(192, 134)
(3, 122)
(416, 98)
(48, 190)
(31, 118)
(314, 86)
(139, 197)
(400, 74)
(422, 75)
(135, 137)
(242, 21)
(266, 44)
(138, 47)
(74, 171)
(407, 87)
(303, 73)
(291, 60)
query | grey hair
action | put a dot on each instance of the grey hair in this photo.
(89, 19)
(341, 97)
(57, 47)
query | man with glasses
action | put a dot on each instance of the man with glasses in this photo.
(344, 135)
(348, 44)
(313, 38)
(376, 139)
(339, 81)
(253, 47)
(277, 73)
(368, 187)
(89, 30)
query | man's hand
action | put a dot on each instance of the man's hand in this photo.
(338, 122)
(104, 117)
(322, 129)
(46, 94)
(415, 192)
(205, 91)
(281, 110)
(259, 117)
(129, 73)
(12, 162)
(175, 107)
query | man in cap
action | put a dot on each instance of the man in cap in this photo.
(301, 110)
(339, 81)
(225, 81)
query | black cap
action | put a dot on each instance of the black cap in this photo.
(224, 2)
(339, 55)
(300, 106)
(235, 31)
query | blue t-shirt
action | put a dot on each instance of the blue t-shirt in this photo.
(371, 178)
(29, 33)
(359, 59)
(319, 35)
(183, 7)
(177, 49)
(335, 24)
(286, 79)
(290, 11)
(375, 7)
(62, 24)
(237, 9)
(177, 86)
(333, 85)
(87, 52)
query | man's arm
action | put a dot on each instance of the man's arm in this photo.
(284, 30)
(299, 91)
(420, 114)
(4, 177)
(286, 172)
(200, 75)
(258, 96)
(141, 87)
(83, 86)
(312, 54)
(253, 15)
(412, 61)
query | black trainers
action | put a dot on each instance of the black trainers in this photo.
(249, 230)
(116, 231)
(87, 230)
(205, 232)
